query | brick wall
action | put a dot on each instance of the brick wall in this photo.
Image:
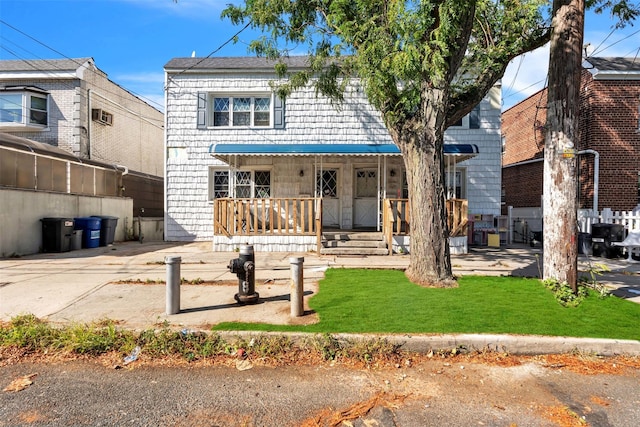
(135, 140)
(608, 125)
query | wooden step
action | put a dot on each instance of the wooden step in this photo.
(353, 243)
(354, 251)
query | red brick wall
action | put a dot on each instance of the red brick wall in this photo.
(608, 124)
(523, 129)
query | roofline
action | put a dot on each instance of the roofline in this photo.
(68, 74)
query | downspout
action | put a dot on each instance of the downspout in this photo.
(89, 121)
(596, 175)
(596, 172)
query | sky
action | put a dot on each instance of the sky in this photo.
(132, 40)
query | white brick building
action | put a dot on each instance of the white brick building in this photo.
(71, 104)
(229, 137)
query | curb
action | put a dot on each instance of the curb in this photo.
(524, 345)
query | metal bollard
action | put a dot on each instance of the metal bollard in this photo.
(173, 284)
(296, 288)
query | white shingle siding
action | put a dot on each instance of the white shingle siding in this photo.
(308, 120)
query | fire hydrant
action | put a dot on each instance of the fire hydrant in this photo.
(244, 267)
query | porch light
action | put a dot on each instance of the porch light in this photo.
(301, 172)
(392, 172)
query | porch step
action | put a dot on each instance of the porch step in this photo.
(353, 243)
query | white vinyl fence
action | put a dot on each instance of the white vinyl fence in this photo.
(525, 223)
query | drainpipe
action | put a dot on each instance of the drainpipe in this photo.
(596, 175)
(88, 124)
(596, 172)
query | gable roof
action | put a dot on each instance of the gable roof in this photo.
(613, 68)
(233, 63)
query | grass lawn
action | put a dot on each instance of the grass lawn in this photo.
(384, 301)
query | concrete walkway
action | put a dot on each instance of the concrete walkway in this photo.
(82, 286)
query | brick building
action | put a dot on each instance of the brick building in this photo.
(72, 104)
(608, 141)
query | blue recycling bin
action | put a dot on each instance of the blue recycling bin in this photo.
(90, 227)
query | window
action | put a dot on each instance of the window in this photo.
(23, 108)
(242, 184)
(239, 111)
(327, 183)
(471, 120)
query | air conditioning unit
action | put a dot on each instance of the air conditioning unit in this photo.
(101, 116)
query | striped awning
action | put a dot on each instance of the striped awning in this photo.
(224, 151)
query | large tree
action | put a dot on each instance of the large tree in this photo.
(423, 64)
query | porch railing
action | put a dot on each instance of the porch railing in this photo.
(395, 218)
(300, 216)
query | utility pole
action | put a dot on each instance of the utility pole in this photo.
(560, 260)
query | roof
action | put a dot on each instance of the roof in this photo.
(43, 64)
(613, 67)
(234, 63)
(29, 69)
(224, 151)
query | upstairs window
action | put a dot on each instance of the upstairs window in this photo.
(239, 111)
(23, 108)
(470, 121)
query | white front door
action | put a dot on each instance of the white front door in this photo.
(327, 188)
(365, 210)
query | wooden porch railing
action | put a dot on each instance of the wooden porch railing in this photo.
(300, 216)
(395, 218)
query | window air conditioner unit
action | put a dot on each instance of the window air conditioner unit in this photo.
(101, 116)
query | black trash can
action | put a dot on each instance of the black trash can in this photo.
(584, 244)
(56, 234)
(107, 229)
(602, 237)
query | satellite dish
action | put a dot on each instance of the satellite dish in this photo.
(193, 54)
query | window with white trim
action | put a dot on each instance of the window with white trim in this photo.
(241, 111)
(242, 184)
(248, 111)
(470, 121)
(24, 108)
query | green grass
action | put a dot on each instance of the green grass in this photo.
(384, 301)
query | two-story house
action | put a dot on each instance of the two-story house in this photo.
(106, 148)
(72, 104)
(608, 143)
(244, 166)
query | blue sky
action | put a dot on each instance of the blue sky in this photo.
(131, 40)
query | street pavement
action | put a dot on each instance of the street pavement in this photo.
(120, 282)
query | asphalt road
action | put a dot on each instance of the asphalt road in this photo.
(434, 392)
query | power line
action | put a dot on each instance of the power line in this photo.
(147, 100)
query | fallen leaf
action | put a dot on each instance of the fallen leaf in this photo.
(21, 383)
(243, 365)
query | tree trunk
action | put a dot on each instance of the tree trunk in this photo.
(421, 141)
(560, 154)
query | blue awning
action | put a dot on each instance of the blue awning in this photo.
(223, 151)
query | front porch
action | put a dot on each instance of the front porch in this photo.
(295, 225)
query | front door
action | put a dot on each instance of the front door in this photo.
(365, 202)
(327, 188)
